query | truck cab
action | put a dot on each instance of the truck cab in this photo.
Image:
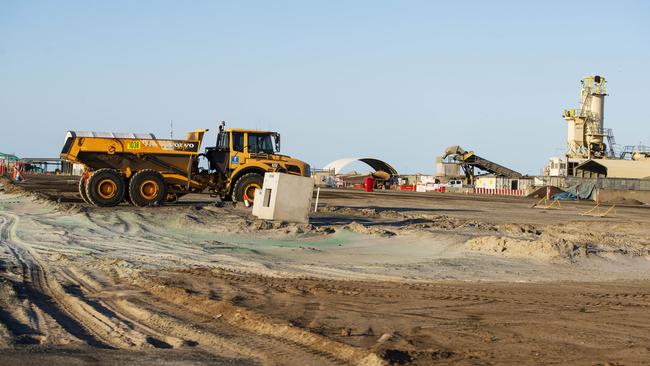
(241, 157)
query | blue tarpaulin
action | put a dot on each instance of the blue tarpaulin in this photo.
(585, 191)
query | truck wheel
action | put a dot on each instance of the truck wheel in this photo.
(82, 190)
(147, 188)
(105, 188)
(245, 187)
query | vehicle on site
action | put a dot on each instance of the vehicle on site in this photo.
(454, 183)
(146, 171)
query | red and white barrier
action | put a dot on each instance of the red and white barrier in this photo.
(18, 172)
(500, 191)
(430, 187)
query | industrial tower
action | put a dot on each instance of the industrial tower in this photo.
(586, 133)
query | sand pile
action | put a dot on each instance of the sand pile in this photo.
(9, 186)
(251, 224)
(541, 192)
(519, 229)
(363, 212)
(518, 248)
(565, 243)
(368, 230)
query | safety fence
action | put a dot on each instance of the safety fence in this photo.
(14, 170)
(500, 191)
(430, 187)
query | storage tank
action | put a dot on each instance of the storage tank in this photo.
(595, 129)
(598, 109)
(586, 132)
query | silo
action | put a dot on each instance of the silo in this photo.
(594, 90)
(598, 109)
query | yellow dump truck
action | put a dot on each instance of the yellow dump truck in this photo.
(147, 171)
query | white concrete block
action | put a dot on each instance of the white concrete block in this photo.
(284, 197)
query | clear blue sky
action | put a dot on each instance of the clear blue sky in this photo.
(397, 80)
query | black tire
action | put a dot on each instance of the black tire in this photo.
(105, 188)
(147, 188)
(245, 187)
(82, 190)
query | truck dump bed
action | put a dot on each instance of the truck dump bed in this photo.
(132, 151)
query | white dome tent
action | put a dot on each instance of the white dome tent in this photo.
(338, 165)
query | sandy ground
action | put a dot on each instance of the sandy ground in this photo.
(385, 278)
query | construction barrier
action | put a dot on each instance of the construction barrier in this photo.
(500, 191)
(17, 175)
(430, 187)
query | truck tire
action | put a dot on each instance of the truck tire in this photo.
(245, 187)
(82, 190)
(105, 188)
(147, 188)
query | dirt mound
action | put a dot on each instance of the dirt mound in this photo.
(564, 244)
(364, 212)
(9, 186)
(518, 248)
(250, 224)
(519, 229)
(541, 192)
(368, 230)
(16, 188)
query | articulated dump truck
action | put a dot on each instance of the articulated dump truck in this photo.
(146, 171)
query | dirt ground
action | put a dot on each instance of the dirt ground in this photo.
(382, 278)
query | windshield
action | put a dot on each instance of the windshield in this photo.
(259, 143)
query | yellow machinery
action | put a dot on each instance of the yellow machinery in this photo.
(468, 160)
(146, 171)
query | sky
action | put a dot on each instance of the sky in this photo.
(393, 80)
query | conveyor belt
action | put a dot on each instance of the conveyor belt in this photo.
(474, 160)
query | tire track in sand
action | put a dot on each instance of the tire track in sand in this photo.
(88, 321)
(36, 288)
(181, 325)
(77, 302)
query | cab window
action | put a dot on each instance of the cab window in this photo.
(223, 143)
(259, 143)
(238, 141)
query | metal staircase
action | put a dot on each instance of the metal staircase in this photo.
(613, 149)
